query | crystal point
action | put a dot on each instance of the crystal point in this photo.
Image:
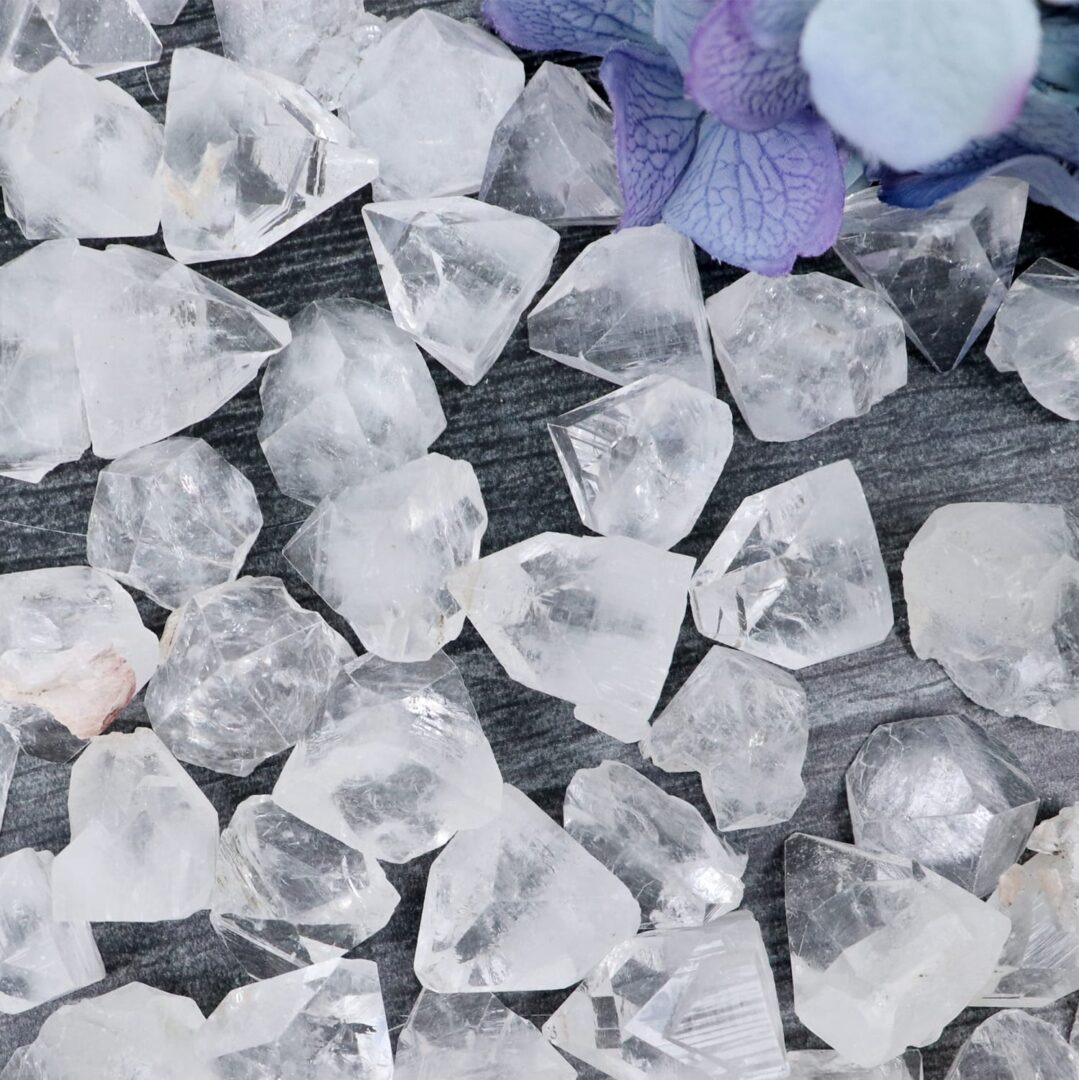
(1013, 1045)
(162, 12)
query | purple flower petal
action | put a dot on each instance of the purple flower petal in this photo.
(655, 128)
(582, 26)
(673, 23)
(776, 22)
(760, 200)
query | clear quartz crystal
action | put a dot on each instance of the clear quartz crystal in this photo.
(828, 1065)
(1013, 1045)
(162, 12)
(9, 756)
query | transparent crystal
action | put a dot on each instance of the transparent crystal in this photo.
(642, 461)
(9, 755)
(459, 274)
(828, 1065)
(162, 12)
(1013, 1045)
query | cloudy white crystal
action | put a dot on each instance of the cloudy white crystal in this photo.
(1013, 1045)
(828, 1065)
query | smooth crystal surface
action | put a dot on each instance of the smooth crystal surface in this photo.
(642, 461)
(629, 305)
(349, 398)
(992, 597)
(162, 12)
(398, 761)
(1013, 1045)
(459, 274)
(591, 620)
(828, 1065)
(742, 724)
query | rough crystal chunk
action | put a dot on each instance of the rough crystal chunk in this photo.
(249, 158)
(9, 755)
(445, 85)
(349, 398)
(518, 904)
(552, 156)
(1013, 1045)
(828, 1065)
(591, 620)
(884, 952)
(946, 269)
(244, 672)
(172, 519)
(397, 763)
(992, 597)
(803, 352)
(629, 305)
(162, 12)
(797, 575)
(689, 1002)
(288, 895)
(742, 724)
(642, 461)
(459, 274)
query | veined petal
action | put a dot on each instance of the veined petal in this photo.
(582, 26)
(673, 23)
(776, 22)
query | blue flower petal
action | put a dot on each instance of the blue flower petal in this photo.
(775, 22)
(760, 200)
(582, 26)
(655, 128)
(673, 23)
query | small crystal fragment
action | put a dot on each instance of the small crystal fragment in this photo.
(459, 274)
(162, 12)
(591, 620)
(797, 576)
(9, 755)
(1013, 1045)
(288, 895)
(349, 398)
(642, 461)
(398, 761)
(742, 724)
(518, 904)
(629, 305)
(244, 672)
(552, 156)
(828, 1065)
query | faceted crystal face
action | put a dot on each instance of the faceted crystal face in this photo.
(992, 596)
(40, 959)
(143, 836)
(9, 755)
(172, 519)
(79, 158)
(427, 99)
(941, 791)
(1036, 334)
(591, 620)
(803, 352)
(828, 1065)
(629, 305)
(659, 846)
(517, 904)
(884, 952)
(459, 274)
(351, 397)
(552, 156)
(642, 461)
(946, 269)
(797, 575)
(244, 673)
(689, 1002)
(1013, 1045)
(397, 763)
(743, 725)
(162, 12)
(288, 895)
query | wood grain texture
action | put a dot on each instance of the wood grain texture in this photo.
(971, 435)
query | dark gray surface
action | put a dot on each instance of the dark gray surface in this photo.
(971, 435)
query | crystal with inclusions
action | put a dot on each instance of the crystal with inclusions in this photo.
(380, 552)
(459, 274)
(1036, 334)
(162, 12)
(249, 158)
(397, 763)
(591, 620)
(79, 157)
(941, 791)
(742, 724)
(945, 269)
(552, 156)
(39, 959)
(9, 755)
(629, 305)
(642, 461)
(427, 99)
(884, 952)
(686, 1003)
(992, 594)
(662, 849)
(803, 352)
(244, 673)
(797, 575)
(288, 895)
(518, 904)
(161, 347)
(828, 1065)
(349, 398)
(171, 519)
(1013, 1045)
